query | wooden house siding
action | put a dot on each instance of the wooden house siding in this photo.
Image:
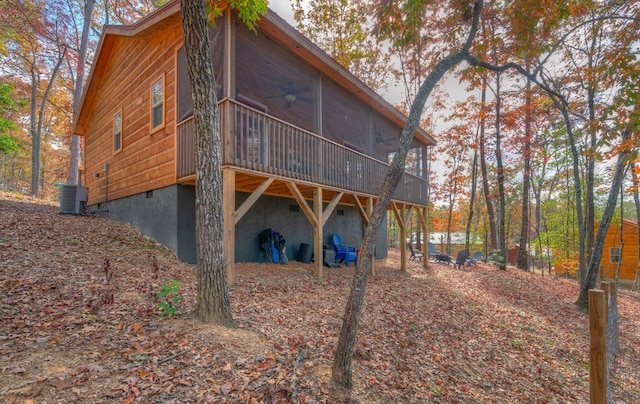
(147, 159)
(629, 258)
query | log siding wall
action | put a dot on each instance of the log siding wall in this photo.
(147, 159)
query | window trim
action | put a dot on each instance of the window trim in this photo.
(120, 135)
(162, 104)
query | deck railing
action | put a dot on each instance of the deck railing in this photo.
(259, 142)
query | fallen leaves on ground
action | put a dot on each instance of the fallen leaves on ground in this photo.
(80, 323)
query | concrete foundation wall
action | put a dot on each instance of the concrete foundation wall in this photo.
(285, 216)
(168, 215)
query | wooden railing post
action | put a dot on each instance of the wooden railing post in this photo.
(598, 374)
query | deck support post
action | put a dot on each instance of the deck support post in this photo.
(316, 218)
(229, 223)
(318, 234)
(400, 213)
(422, 214)
(369, 213)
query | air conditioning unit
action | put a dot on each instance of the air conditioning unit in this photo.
(72, 199)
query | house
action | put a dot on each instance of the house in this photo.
(455, 241)
(305, 144)
(613, 252)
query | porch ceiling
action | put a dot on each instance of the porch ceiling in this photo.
(249, 181)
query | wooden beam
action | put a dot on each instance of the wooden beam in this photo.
(247, 204)
(332, 205)
(361, 210)
(318, 233)
(396, 212)
(407, 215)
(228, 210)
(403, 236)
(369, 213)
(303, 203)
(422, 214)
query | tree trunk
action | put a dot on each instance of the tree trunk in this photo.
(502, 231)
(619, 266)
(213, 295)
(493, 234)
(341, 377)
(522, 261)
(472, 198)
(74, 157)
(35, 135)
(453, 193)
(341, 369)
(589, 219)
(594, 262)
(37, 120)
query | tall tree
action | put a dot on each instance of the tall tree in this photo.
(502, 204)
(341, 369)
(213, 303)
(472, 192)
(80, 58)
(522, 261)
(594, 261)
(482, 146)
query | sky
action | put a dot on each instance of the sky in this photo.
(283, 8)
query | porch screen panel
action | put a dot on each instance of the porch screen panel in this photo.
(386, 135)
(274, 80)
(344, 117)
(346, 121)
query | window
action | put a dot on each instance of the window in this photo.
(157, 104)
(117, 132)
(615, 254)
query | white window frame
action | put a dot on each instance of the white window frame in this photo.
(155, 104)
(117, 132)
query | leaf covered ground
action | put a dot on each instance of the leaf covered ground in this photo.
(79, 322)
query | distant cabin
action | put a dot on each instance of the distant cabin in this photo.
(614, 251)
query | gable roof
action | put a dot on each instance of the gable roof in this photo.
(270, 23)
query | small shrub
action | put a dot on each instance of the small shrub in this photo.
(170, 296)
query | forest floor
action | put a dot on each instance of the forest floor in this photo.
(76, 329)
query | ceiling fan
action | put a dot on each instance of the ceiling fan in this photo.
(292, 94)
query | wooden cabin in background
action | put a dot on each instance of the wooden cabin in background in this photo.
(305, 144)
(613, 252)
